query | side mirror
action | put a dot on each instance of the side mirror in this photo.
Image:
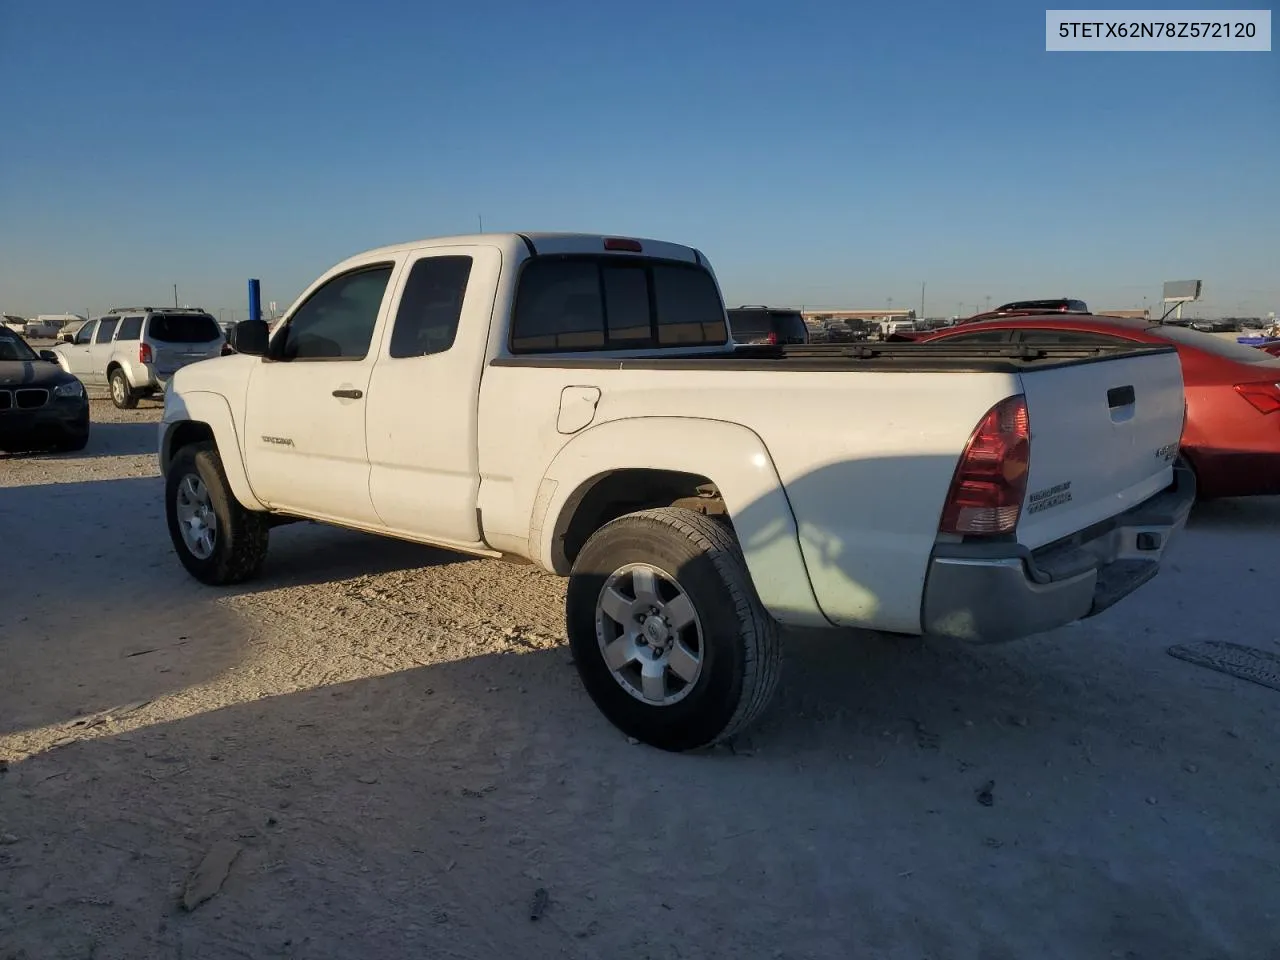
(49, 355)
(251, 337)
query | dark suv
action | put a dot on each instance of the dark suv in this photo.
(767, 325)
(1043, 306)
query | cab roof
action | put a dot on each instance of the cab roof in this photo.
(544, 243)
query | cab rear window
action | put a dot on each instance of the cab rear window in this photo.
(615, 303)
(183, 328)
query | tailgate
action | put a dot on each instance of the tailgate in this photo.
(172, 357)
(1104, 435)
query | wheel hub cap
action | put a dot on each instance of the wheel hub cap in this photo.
(197, 521)
(649, 634)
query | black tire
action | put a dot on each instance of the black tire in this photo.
(741, 652)
(122, 395)
(240, 543)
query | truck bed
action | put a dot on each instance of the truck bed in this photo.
(821, 358)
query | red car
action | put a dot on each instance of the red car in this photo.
(1232, 435)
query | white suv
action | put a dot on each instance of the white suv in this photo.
(135, 350)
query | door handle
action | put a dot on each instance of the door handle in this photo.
(349, 394)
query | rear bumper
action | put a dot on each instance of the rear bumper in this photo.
(988, 593)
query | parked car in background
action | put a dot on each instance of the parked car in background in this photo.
(1231, 438)
(41, 405)
(1029, 308)
(16, 324)
(839, 331)
(1215, 326)
(68, 332)
(767, 325)
(597, 419)
(135, 350)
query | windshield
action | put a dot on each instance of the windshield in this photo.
(184, 328)
(13, 347)
(1218, 346)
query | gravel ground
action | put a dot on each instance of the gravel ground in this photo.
(390, 746)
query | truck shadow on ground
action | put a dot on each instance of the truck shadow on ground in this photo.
(91, 584)
(1256, 515)
(431, 804)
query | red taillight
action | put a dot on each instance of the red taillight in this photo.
(144, 353)
(1265, 396)
(772, 338)
(623, 244)
(991, 479)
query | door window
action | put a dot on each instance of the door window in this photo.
(1067, 338)
(337, 321)
(986, 336)
(85, 333)
(130, 329)
(106, 328)
(430, 307)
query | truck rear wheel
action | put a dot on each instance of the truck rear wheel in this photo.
(668, 635)
(216, 539)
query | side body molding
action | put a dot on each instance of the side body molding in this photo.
(212, 410)
(730, 455)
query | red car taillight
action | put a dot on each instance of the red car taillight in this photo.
(772, 338)
(991, 479)
(1265, 396)
(144, 353)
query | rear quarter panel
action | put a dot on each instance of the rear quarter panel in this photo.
(865, 459)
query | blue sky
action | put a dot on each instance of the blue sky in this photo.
(819, 153)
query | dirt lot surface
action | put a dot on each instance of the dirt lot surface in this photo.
(385, 752)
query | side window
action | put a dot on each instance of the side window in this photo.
(337, 321)
(85, 333)
(986, 336)
(593, 303)
(558, 307)
(1047, 338)
(106, 327)
(130, 329)
(689, 308)
(430, 307)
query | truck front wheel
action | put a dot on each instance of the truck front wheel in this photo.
(668, 635)
(216, 539)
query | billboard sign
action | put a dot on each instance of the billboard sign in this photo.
(1181, 291)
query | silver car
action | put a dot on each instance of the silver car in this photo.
(135, 350)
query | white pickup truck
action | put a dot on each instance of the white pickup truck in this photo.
(576, 401)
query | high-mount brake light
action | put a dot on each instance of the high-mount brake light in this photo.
(623, 245)
(1264, 395)
(990, 481)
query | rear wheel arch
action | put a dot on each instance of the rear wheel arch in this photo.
(716, 468)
